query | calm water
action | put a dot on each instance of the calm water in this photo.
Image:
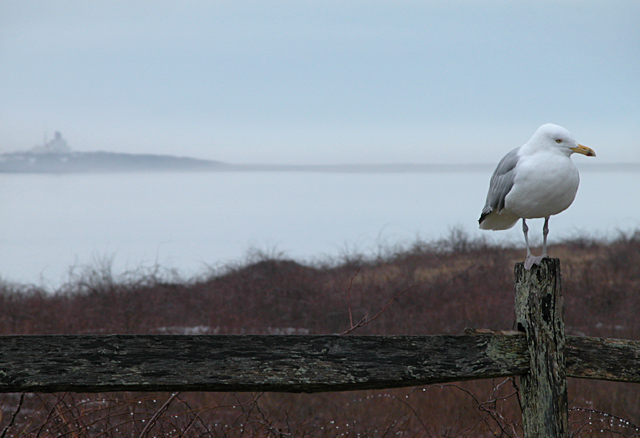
(189, 221)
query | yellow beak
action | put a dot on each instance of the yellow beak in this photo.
(584, 151)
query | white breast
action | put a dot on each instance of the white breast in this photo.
(544, 185)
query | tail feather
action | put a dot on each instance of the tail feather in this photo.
(493, 220)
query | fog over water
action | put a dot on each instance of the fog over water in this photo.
(189, 221)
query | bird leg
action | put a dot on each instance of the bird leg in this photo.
(530, 260)
(533, 260)
(525, 230)
(545, 232)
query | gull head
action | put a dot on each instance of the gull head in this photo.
(557, 137)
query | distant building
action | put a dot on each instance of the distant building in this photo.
(57, 145)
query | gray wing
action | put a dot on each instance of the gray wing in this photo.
(501, 183)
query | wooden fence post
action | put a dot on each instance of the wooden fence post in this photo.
(540, 314)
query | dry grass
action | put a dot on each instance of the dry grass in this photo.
(428, 288)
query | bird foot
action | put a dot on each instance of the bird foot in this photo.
(533, 260)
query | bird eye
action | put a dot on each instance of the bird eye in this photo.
(558, 141)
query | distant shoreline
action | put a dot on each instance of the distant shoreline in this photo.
(407, 168)
(111, 162)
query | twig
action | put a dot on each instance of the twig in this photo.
(196, 417)
(13, 417)
(274, 430)
(46, 420)
(157, 414)
(53, 408)
(366, 320)
(623, 422)
(349, 296)
(495, 415)
(415, 413)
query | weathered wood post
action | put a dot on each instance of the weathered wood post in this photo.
(540, 314)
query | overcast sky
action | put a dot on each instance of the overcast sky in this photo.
(320, 81)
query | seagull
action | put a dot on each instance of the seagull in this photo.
(536, 180)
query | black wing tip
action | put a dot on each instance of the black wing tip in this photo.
(486, 212)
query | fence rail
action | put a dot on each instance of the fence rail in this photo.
(287, 363)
